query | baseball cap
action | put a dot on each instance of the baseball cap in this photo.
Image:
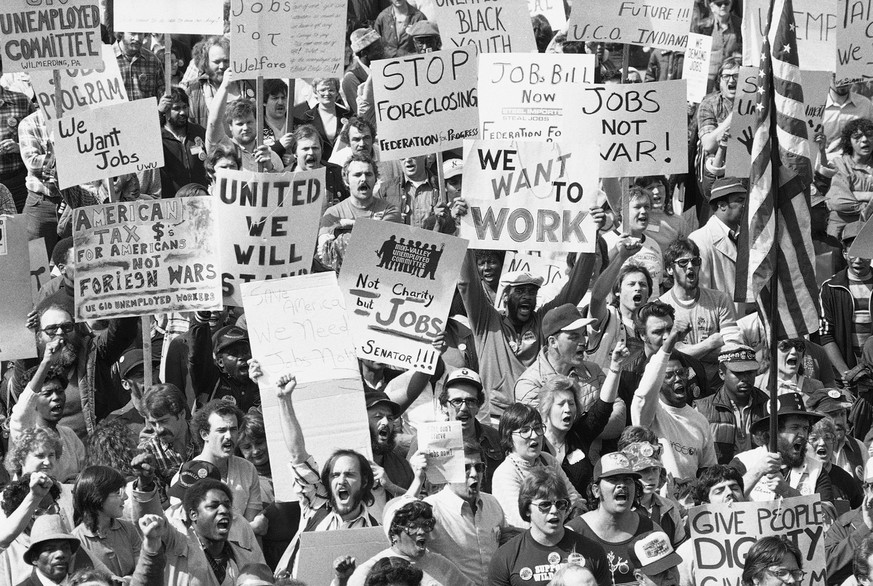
(373, 398)
(564, 318)
(828, 400)
(424, 28)
(613, 464)
(725, 186)
(516, 278)
(190, 473)
(652, 553)
(643, 455)
(452, 168)
(228, 336)
(362, 38)
(738, 358)
(464, 375)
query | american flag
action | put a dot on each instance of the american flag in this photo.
(781, 173)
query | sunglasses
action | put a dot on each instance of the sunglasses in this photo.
(478, 466)
(546, 506)
(66, 327)
(786, 345)
(684, 262)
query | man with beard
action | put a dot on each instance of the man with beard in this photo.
(219, 366)
(217, 424)
(212, 63)
(306, 146)
(790, 471)
(729, 410)
(392, 474)
(141, 71)
(337, 498)
(42, 405)
(661, 404)
(173, 442)
(85, 360)
(711, 312)
(184, 145)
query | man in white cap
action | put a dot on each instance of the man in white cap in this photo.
(654, 560)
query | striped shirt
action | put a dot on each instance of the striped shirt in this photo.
(861, 318)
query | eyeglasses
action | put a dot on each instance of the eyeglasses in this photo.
(546, 506)
(722, 4)
(528, 431)
(426, 526)
(733, 76)
(458, 403)
(678, 373)
(684, 262)
(478, 466)
(783, 574)
(786, 345)
(65, 327)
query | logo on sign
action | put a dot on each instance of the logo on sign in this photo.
(416, 258)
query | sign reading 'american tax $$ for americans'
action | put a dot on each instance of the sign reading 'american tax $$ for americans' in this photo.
(107, 142)
(398, 283)
(144, 257)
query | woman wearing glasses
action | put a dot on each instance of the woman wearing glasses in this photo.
(408, 528)
(773, 561)
(534, 556)
(851, 189)
(521, 433)
(326, 116)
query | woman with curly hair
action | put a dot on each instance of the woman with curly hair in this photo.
(851, 189)
(112, 444)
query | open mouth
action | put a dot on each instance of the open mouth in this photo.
(463, 417)
(227, 446)
(343, 494)
(525, 309)
(223, 525)
(799, 447)
(57, 410)
(621, 497)
(637, 298)
(383, 434)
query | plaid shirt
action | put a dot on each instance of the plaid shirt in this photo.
(38, 154)
(14, 108)
(169, 460)
(143, 75)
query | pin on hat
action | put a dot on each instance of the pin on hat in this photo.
(787, 405)
(192, 472)
(464, 375)
(228, 336)
(738, 358)
(614, 464)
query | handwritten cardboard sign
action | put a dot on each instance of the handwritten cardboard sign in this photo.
(398, 282)
(816, 27)
(144, 257)
(299, 325)
(722, 534)
(854, 42)
(40, 273)
(499, 26)
(695, 67)
(287, 38)
(656, 23)
(425, 103)
(530, 195)
(553, 10)
(36, 35)
(532, 96)
(107, 142)
(319, 549)
(738, 159)
(81, 89)
(551, 266)
(268, 223)
(815, 97)
(443, 444)
(16, 341)
(192, 17)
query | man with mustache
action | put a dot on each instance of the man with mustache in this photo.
(711, 312)
(306, 146)
(212, 62)
(661, 404)
(173, 443)
(392, 473)
(729, 410)
(184, 145)
(790, 471)
(141, 71)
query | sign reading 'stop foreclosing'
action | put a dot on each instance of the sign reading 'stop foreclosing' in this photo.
(16, 341)
(81, 89)
(722, 535)
(530, 195)
(499, 26)
(268, 223)
(107, 142)
(398, 282)
(287, 38)
(854, 42)
(532, 96)
(425, 103)
(816, 27)
(41, 35)
(191, 17)
(144, 257)
(656, 23)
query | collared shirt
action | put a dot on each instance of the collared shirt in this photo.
(713, 110)
(14, 108)
(419, 199)
(143, 74)
(469, 540)
(45, 581)
(168, 459)
(743, 437)
(38, 154)
(837, 115)
(118, 549)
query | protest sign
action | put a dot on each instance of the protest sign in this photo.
(862, 245)
(39, 267)
(192, 17)
(663, 24)
(722, 534)
(815, 96)
(532, 96)
(738, 159)
(426, 102)
(854, 42)
(299, 325)
(551, 266)
(443, 444)
(37, 36)
(553, 10)
(144, 257)
(267, 223)
(319, 549)
(400, 282)
(287, 38)
(695, 67)
(81, 89)
(499, 26)
(120, 138)
(16, 341)
(816, 26)
(530, 195)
